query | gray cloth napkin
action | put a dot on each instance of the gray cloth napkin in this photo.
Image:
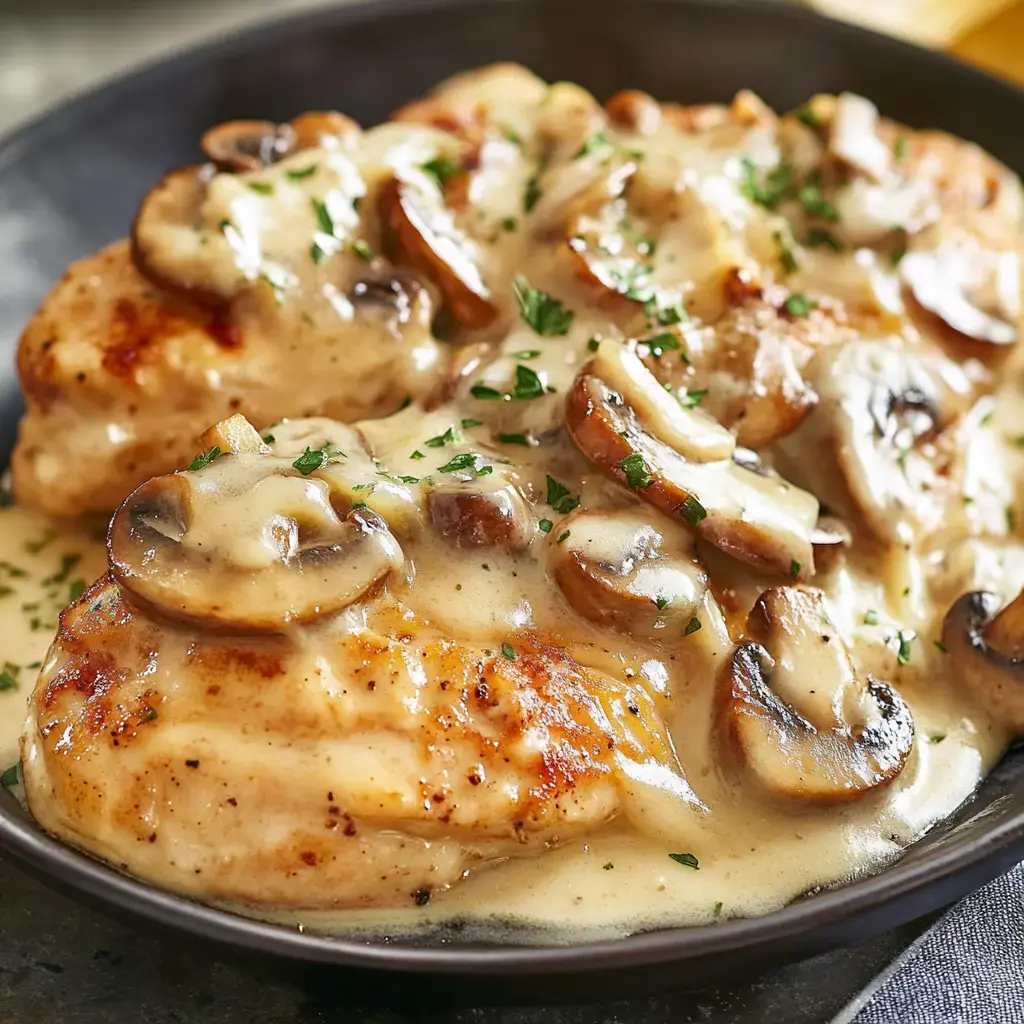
(967, 969)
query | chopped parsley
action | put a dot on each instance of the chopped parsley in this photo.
(467, 460)
(482, 391)
(528, 384)
(936, 737)
(532, 192)
(527, 353)
(899, 149)
(692, 626)
(607, 866)
(939, 645)
(660, 343)
(635, 469)
(593, 344)
(324, 221)
(822, 236)
(268, 438)
(441, 168)
(317, 253)
(262, 188)
(545, 525)
(508, 224)
(362, 250)
(151, 713)
(306, 172)
(766, 190)
(523, 439)
(871, 617)
(545, 314)
(794, 569)
(8, 681)
(313, 459)
(10, 776)
(905, 638)
(815, 204)
(686, 859)
(786, 257)
(450, 436)
(511, 134)
(202, 461)
(508, 651)
(76, 588)
(563, 536)
(799, 305)
(691, 399)
(559, 497)
(806, 115)
(896, 256)
(417, 455)
(593, 144)
(466, 424)
(661, 602)
(692, 510)
(67, 563)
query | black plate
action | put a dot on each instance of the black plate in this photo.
(71, 182)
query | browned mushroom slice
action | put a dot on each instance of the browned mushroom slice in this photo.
(619, 570)
(797, 716)
(247, 145)
(317, 128)
(246, 543)
(681, 462)
(420, 232)
(986, 650)
(973, 291)
(167, 249)
(888, 422)
(487, 512)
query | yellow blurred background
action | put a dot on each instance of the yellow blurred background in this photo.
(989, 33)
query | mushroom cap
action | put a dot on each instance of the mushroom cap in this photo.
(755, 517)
(247, 145)
(486, 512)
(246, 544)
(986, 648)
(419, 231)
(619, 570)
(854, 736)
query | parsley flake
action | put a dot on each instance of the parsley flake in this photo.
(635, 469)
(660, 343)
(10, 776)
(467, 460)
(450, 436)
(324, 221)
(559, 497)
(523, 439)
(508, 651)
(906, 638)
(786, 257)
(482, 391)
(686, 859)
(202, 461)
(262, 188)
(528, 384)
(306, 172)
(563, 536)
(362, 250)
(545, 314)
(313, 459)
(692, 510)
(545, 525)
(799, 305)
(466, 424)
(871, 617)
(441, 168)
(692, 626)
(691, 399)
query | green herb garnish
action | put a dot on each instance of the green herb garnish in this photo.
(545, 314)
(450, 436)
(545, 525)
(686, 859)
(441, 168)
(559, 497)
(508, 651)
(692, 510)
(635, 469)
(202, 461)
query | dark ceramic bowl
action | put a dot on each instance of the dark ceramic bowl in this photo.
(71, 182)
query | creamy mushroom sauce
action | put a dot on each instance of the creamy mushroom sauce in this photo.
(665, 241)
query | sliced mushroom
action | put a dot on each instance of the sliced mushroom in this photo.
(986, 650)
(487, 512)
(241, 146)
(619, 570)
(420, 232)
(796, 714)
(247, 544)
(974, 291)
(247, 145)
(888, 421)
(679, 461)
(166, 248)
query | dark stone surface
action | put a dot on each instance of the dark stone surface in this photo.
(62, 963)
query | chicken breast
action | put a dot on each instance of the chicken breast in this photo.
(351, 768)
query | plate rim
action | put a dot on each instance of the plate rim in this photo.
(926, 884)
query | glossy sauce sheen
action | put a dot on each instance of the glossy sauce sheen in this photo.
(670, 828)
